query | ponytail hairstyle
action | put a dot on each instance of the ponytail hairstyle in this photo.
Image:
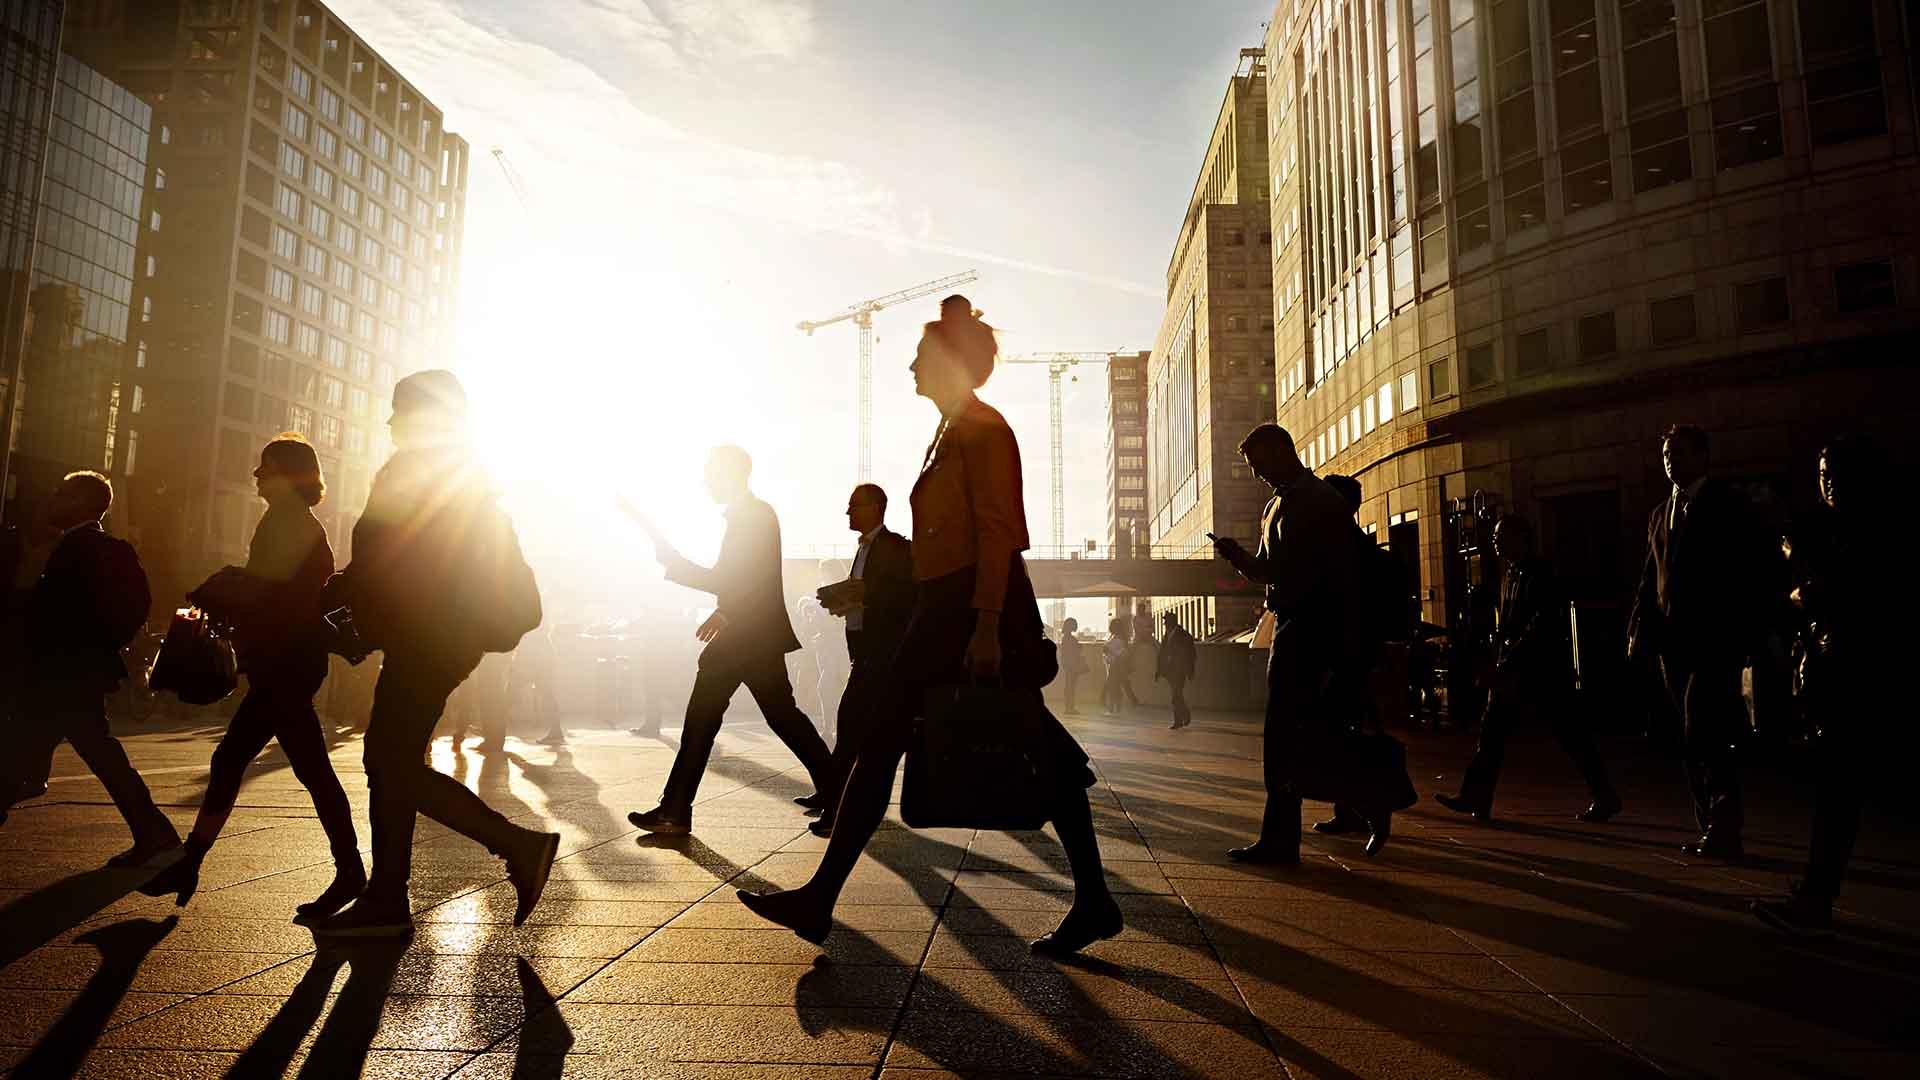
(971, 341)
(292, 456)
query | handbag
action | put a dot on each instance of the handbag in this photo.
(971, 761)
(195, 661)
(1365, 770)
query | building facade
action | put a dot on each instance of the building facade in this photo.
(1210, 374)
(1127, 451)
(313, 210)
(1516, 239)
(87, 286)
(29, 59)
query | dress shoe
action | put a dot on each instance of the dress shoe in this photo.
(556, 737)
(1797, 914)
(1601, 810)
(1709, 846)
(815, 801)
(1263, 854)
(1081, 928)
(1377, 839)
(821, 826)
(1339, 825)
(1460, 804)
(529, 869)
(663, 822)
(145, 849)
(369, 917)
(793, 909)
(349, 880)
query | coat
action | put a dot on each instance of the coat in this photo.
(274, 602)
(1707, 579)
(967, 508)
(89, 603)
(889, 597)
(748, 585)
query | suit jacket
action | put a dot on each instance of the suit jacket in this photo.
(888, 607)
(1307, 559)
(1178, 655)
(746, 580)
(1706, 578)
(1531, 639)
(967, 504)
(89, 602)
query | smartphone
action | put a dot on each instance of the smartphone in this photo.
(1213, 538)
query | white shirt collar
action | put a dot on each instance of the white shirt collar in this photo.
(1691, 491)
(867, 537)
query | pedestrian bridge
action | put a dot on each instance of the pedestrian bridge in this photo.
(1074, 573)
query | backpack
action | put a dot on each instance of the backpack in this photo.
(500, 601)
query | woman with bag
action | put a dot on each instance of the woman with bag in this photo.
(975, 618)
(273, 605)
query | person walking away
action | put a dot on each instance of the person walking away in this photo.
(89, 602)
(975, 616)
(1307, 559)
(1115, 653)
(1175, 663)
(437, 581)
(747, 640)
(1532, 673)
(1697, 610)
(1073, 664)
(273, 606)
(1841, 588)
(877, 610)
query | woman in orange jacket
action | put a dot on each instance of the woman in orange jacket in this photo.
(975, 616)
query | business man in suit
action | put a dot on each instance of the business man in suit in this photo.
(747, 641)
(877, 610)
(1697, 610)
(89, 602)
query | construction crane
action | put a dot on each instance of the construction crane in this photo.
(1059, 364)
(513, 177)
(861, 315)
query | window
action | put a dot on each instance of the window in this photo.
(329, 104)
(287, 201)
(1409, 391)
(1845, 99)
(1864, 286)
(382, 146)
(333, 393)
(1133, 442)
(1761, 304)
(1672, 320)
(347, 239)
(1660, 151)
(1526, 204)
(356, 124)
(358, 403)
(243, 358)
(1587, 174)
(321, 181)
(1132, 502)
(306, 383)
(292, 162)
(1481, 367)
(1384, 402)
(296, 121)
(326, 143)
(336, 353)
(341, 273)
(376, 216)
(320, 219)
(1532, 352)
(1132, 483)
(278, 327)
(1746, 126)
(300, 419)
(286, 243)
(352, 162)
(313, 258)
(356, 440)
(270, 411)
(1575, 44)
(402, 162)
(377, 181)
(280, 285)
(1598, 337)
(363, 325)
(1746, 102)
(306, 340)
(300, 81)
(362, 364)
(338, 313)
(350, 201)
(1440, 378)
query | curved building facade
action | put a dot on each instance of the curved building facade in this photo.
(1514, 240)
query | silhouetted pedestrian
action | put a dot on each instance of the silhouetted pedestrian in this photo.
(24, 551)
(1073, 664)
(877, 610)
(747, 638)
(1697, 611)
(1851, 647)
(89, 602)
(1114, 692)
(975, 618)
(1532, 674)
(437, 581)
(1175, 663)
(273, 606)
(1308, 559)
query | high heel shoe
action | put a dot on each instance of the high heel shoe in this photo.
(792, 909)
(1081, 929)
(1382, 826)
(181, 878)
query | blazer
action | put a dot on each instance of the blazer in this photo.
(890, 591)
(1309, 548)
(747, 582)
(967, 504)
(1532, 623)
(88, 604)
(1706, 577)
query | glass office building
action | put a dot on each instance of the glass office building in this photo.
(29, 55)
(1516, 239)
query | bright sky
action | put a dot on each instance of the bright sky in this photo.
(704, 174)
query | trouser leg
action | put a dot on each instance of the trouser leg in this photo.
(1576, 738)
(407, 703)
(39, 735)
(854, 723)
(1483, 772)
(773, 692)
(1073, 823)
(1291, 690)
(713, 688)
(247, 734)
(85, 723)
(863, 802)
(1713, 713)
(305, 745)
(1836, 818)
(1182, 715)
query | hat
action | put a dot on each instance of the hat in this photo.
(432, 391)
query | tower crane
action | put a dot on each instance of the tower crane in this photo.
(513, 177)
(1059, 364)
(861, 315)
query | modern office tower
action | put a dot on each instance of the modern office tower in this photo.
(1210, 376)
(1517, 239)
(29, 59)
(311, 209)
(87, 286)
(1127, 451)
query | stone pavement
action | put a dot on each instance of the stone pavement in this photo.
(1537, 947)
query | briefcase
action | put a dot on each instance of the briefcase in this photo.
(1364, 770)
(195, 661)
(971, 763)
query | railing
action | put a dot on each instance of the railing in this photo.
(1072, 552)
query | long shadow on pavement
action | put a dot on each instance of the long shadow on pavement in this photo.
(123, 946)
